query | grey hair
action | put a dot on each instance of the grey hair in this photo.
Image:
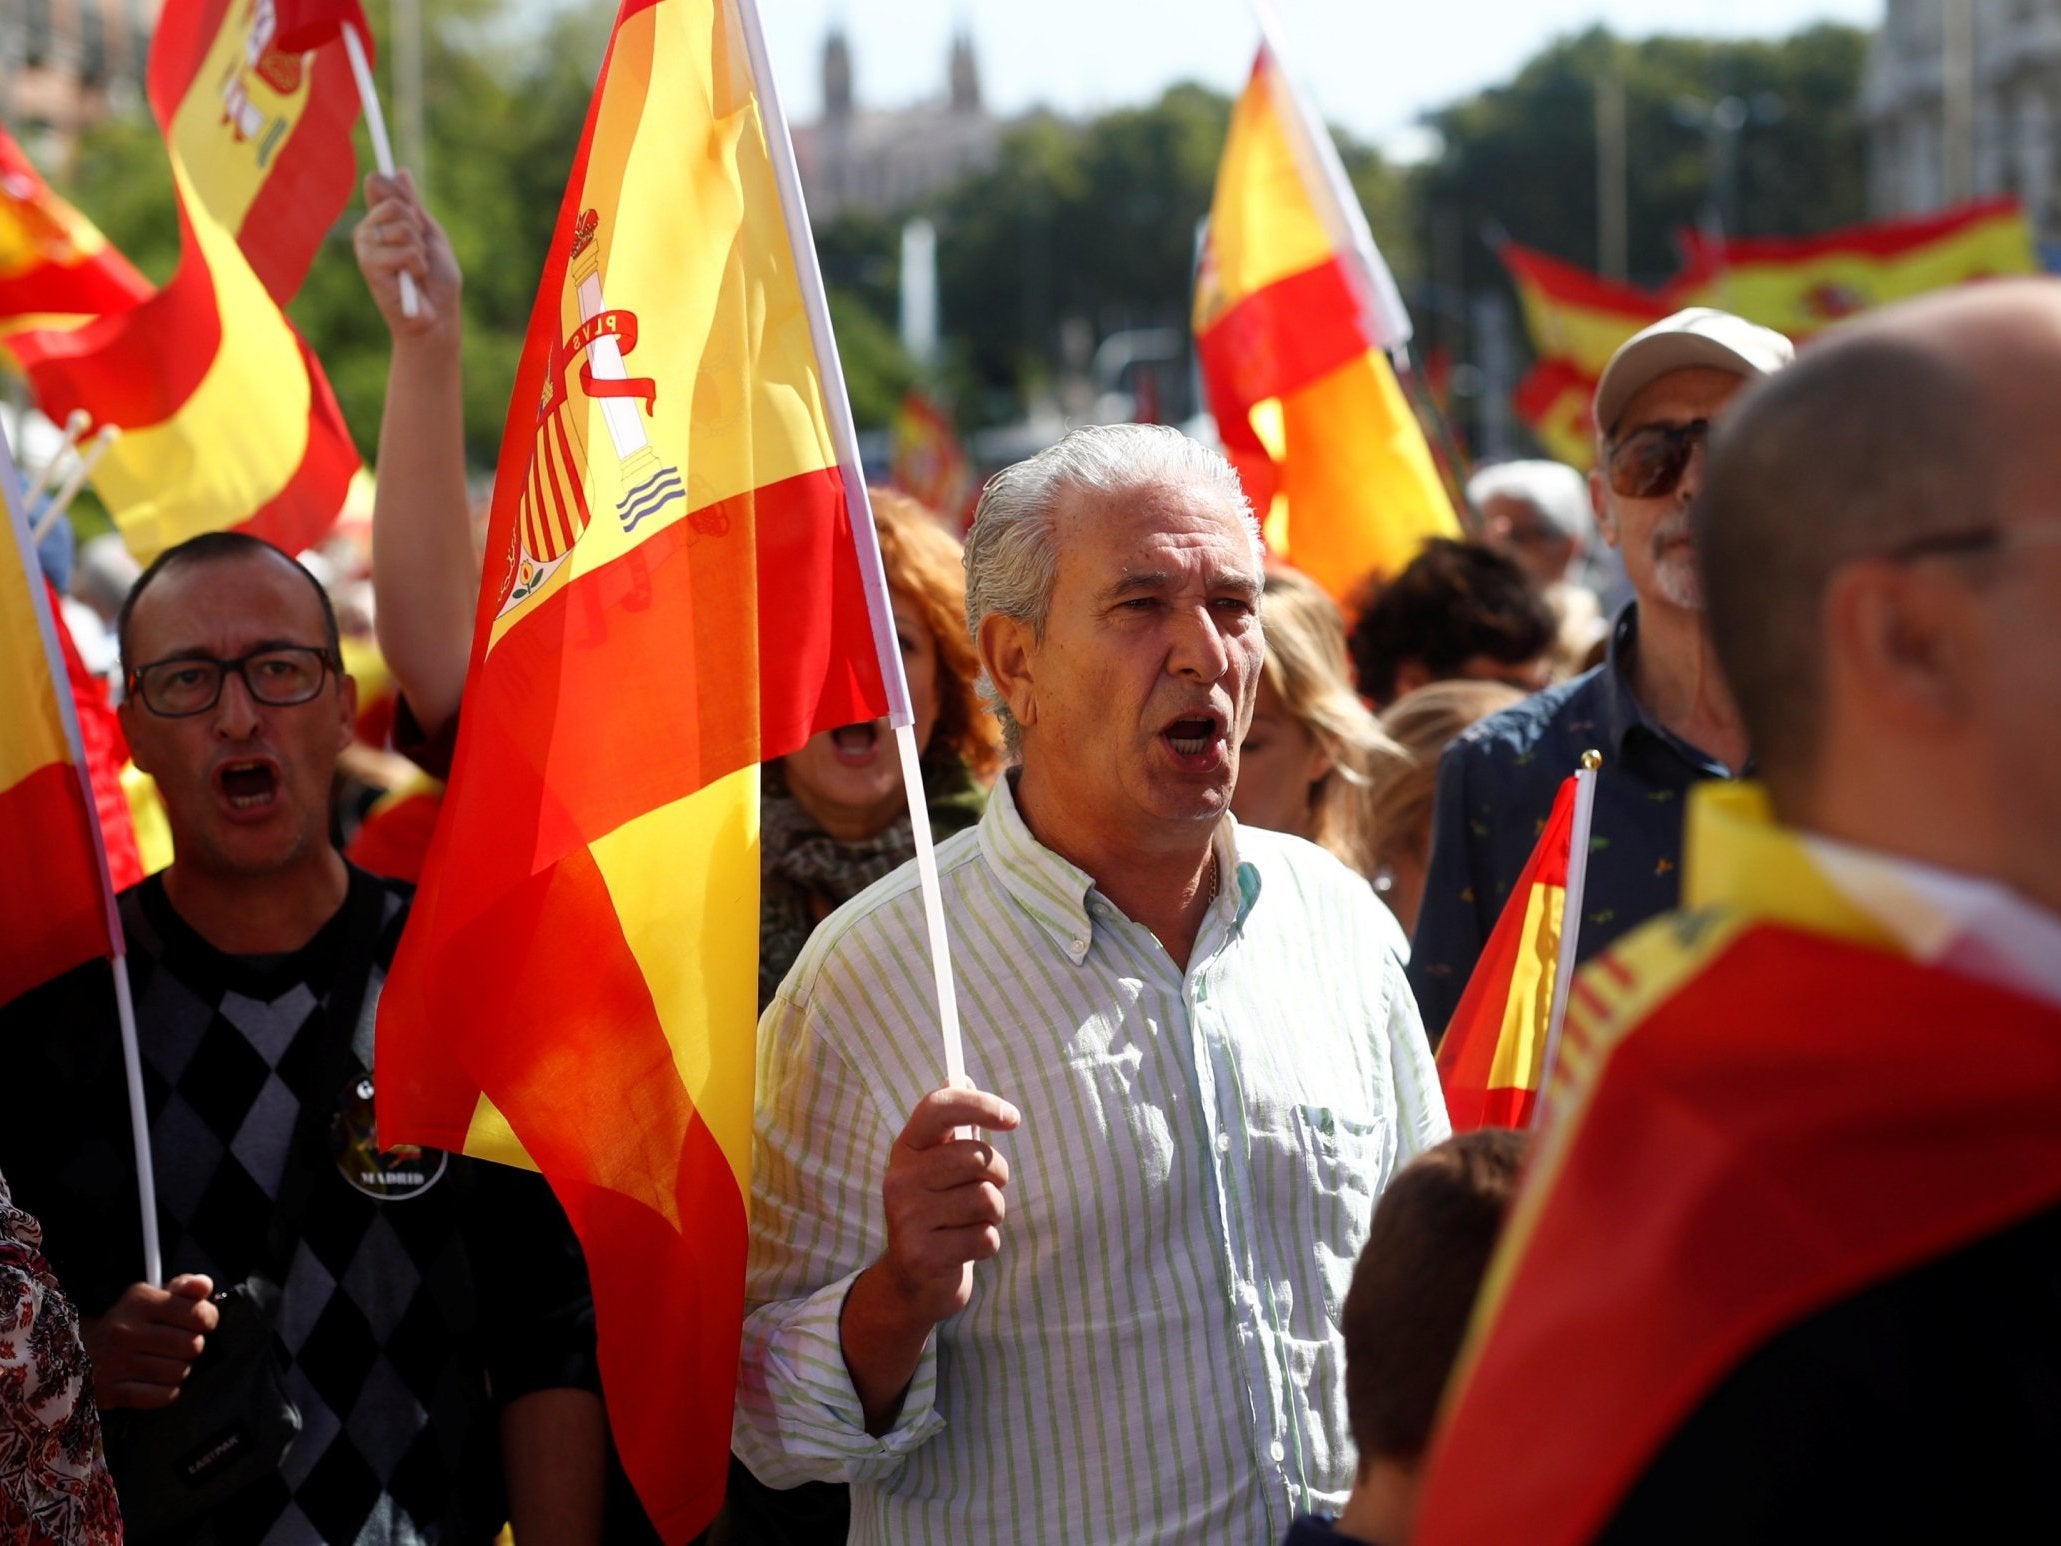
(1012, 553)
(1554, 489)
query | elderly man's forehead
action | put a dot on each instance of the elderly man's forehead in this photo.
(1694, 392)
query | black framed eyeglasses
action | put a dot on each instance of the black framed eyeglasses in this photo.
(1649, 462)
(279, 676)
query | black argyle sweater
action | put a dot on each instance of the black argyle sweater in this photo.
(422, 1288)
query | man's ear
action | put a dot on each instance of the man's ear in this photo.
(1894, 638)
(1599, 502)
(347, 705)
(129, 714)
(1007, 648)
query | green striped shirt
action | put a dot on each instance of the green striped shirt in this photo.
(1155, 1354)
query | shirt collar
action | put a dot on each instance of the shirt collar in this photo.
(1057, 893)
(1736, 855)
(1622, 713)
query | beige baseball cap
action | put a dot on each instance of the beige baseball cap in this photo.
(1701, 335)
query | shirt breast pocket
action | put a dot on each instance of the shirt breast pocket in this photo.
(1346, 1159)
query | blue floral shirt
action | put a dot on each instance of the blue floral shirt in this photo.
(1496, 785)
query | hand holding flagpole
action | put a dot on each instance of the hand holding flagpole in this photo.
(382, 147)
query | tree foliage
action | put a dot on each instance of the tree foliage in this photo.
(1522, 157)
(1095, 224)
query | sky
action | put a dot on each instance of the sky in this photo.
(1374, 66)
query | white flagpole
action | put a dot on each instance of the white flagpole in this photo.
(75, 424)
(838, 409)
(59, 502)
(47, 625)
(1570, 920)
(375, 125)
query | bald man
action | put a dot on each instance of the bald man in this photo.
(1797, 1274)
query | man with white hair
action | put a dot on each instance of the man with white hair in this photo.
(1657, 708)
(1209, 1076)
(1537, 512)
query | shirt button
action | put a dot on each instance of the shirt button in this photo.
(1277, 1451)
(1223, 1143)
(1079, 945)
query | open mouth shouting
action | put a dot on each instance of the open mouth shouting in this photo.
(857, 746)
(248, 786)
(1197, 739)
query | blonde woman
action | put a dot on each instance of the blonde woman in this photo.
(1418, 727)
(1308, 758)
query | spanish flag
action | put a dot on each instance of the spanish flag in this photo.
(1574, 317)
(672, 596)
(229, 420)
(1576, 320)
(1799, 285)
(1558, 404)
(57, 909)
(1497, 1051)
(1294, 310)
(55, 268)
(1752, 1122)
(928, 463)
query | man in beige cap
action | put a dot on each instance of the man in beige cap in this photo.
(1657, 708)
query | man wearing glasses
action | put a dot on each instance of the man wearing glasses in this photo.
(1796, 1274)
(427, 1310)
(1657, 708)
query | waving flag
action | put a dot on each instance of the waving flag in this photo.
(928, 463)
(55, 268)
(672, 596)
(1497, 1052)
(1798, 285)
(1294, 310)
(58, 908)
(228, 418)
(1795, 285)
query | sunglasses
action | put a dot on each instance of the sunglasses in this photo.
(1649, 463)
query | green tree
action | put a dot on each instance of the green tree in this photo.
(1521, 158)
(1095, 224)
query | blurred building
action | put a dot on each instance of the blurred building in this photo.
(1961, 99)
(65, 64)
(882, 162)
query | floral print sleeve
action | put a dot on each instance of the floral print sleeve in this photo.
(54, 1486)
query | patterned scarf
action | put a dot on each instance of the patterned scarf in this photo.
(800, 862)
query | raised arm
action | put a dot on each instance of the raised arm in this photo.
(425, 573)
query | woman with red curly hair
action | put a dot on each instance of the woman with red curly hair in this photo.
(832, 815)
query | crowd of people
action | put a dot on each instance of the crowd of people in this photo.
(1192, 1254)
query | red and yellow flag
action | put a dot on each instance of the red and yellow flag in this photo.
(57, 909)
(55, 268)
(228, 418)
(1795, 285)
(1293, 315)
(1492, 1059)
(1574, 317)
(929, 464)
(1576, 321)
(672, 595)
(1753, 1122)
(1799, 285)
